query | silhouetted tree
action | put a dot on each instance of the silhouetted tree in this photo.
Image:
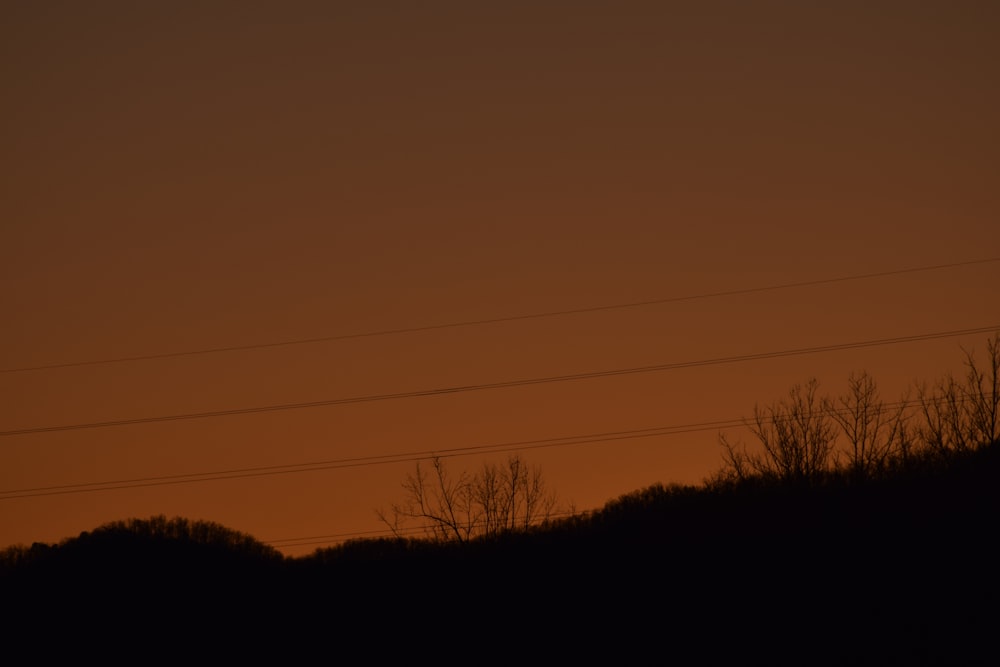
(942, 407)
(182, 530)
(875, 432)
(497, 499)
(796, 435)
(961, 415)
(982, 390)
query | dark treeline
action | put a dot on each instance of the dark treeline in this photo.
(863, 560)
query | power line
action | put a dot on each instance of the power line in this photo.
(405, 457)
(498, 320)
(292, 542)
(262, 471)
(504, 384)
(315, 540)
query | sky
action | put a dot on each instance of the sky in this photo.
(257, 259)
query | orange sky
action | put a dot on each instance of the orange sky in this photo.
(181, 178)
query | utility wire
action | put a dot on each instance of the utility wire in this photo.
(365, 461)
(315, 540)
(505, 384)
(497, 320)
(292, 542)
(405, 457)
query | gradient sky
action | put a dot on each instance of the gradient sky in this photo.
(190, 176)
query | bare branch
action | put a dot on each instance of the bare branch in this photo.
(495, 500)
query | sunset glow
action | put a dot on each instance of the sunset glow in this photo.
(259, 259)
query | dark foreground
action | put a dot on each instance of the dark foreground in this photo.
(902, 572)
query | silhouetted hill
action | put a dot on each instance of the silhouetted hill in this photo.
(897, 570)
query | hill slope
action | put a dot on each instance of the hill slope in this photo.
(898, 571)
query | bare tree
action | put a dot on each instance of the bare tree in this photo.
(498, 499)
(943, 409)
(876, 433)
(511, 497)
(962, 415)
(982, 394)
(796, 437)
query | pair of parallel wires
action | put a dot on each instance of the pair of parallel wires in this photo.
(589, 438)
